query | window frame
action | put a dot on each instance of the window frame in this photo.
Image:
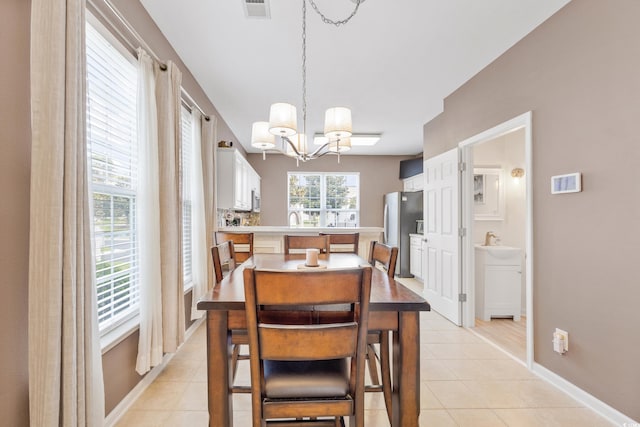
(112, 329)
(323, 211)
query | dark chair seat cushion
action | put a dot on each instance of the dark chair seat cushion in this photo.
(323, 378)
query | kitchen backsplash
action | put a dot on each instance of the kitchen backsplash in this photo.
(230, 218)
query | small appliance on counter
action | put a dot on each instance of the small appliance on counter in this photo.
(419, 226)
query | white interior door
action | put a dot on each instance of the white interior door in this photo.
(441, 254)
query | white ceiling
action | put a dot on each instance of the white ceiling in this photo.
(392, 64)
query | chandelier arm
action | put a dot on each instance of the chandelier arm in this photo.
(325, 145)
(292, 145)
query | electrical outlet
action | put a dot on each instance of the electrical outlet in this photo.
(560, 341)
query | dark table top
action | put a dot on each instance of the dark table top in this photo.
(386, 294)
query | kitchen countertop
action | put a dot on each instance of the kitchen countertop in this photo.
(279, 229)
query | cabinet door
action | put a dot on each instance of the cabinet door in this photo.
(502, 290)
(239, 177)
(415, 257)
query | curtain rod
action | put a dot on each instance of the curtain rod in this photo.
(140, 40)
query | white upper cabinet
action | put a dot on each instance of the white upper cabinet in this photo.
(414, 183)
(235, 179)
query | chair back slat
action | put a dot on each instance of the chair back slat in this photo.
(335, 287)
(343, 242)
(300, 243)
(314, 342)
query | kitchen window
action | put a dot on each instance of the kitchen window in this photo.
(323, 199)
(112, 158)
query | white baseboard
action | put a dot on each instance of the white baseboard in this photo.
(124, 405)
(613, 415)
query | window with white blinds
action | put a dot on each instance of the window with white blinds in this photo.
(112, 150)
(187, 159)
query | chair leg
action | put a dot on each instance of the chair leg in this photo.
(235, 354)
(385, 369)
(373, 366)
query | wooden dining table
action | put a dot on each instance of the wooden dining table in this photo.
(393, 307)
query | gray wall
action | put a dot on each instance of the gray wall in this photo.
(378, 175)
(579, 72)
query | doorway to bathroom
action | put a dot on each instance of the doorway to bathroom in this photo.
(496, 246)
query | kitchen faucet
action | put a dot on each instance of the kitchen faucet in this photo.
(296, 217)
(488, 236)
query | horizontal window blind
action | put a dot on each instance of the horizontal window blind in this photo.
(187, 159)
(112, 150)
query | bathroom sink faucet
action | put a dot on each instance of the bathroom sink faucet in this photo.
(488, 237)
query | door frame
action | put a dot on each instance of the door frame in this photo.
(523, 121)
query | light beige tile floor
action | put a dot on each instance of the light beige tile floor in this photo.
(464, 382)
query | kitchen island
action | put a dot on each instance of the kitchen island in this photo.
(269, 239)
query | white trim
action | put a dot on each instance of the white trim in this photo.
(121, 408)
(119, 333)
(611, 414)
(468, 285)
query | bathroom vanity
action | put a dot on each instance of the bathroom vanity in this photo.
(498, 279)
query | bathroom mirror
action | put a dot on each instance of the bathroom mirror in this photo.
(488, 194)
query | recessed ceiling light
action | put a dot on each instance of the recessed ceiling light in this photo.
(356, 139)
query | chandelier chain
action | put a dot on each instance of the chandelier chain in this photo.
(304, 67)
(330, 21)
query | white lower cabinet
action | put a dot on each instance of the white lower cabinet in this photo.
(415, 255)
(498, 282)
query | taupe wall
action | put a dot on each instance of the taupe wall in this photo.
(579, 72)
(15, 140)
(378, 175)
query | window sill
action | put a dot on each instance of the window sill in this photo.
(119, 334)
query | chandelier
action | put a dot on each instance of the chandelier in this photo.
(283, 117)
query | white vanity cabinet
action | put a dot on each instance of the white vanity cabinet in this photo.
(235, 178)
(498, 279)
(415, 255)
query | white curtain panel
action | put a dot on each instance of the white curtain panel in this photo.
(208, 169)
(169, 142)
(150, 347)
(199, 249)
(65, 366)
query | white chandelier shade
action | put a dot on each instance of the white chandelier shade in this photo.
(261, 137)
(283, 119)
(337, 123)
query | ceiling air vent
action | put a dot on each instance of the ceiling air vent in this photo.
(256, 8)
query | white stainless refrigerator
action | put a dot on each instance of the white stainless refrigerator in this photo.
(401, 211)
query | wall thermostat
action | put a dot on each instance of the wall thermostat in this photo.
(569, 183)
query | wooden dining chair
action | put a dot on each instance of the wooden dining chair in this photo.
(224, 259)
(343, 242)
(384, 257)
(300, 243)
(306, 371)
(242, 242)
